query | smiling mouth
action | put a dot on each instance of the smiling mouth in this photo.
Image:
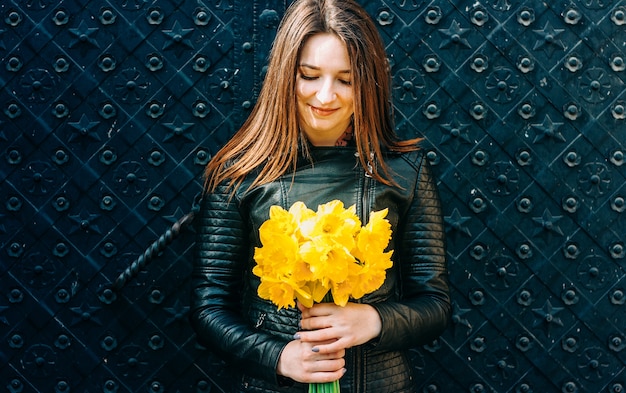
(323, 111)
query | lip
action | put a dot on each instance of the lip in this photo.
(323, 111)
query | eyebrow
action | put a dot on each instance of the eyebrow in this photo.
(304, 65)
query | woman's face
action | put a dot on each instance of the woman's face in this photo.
(324, 89)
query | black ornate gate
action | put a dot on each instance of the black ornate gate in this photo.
(110, 110)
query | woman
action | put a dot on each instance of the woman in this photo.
(321, 130)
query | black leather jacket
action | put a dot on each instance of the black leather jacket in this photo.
(413, 303)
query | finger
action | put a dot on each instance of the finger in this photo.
(335, 348)
(319, 318)
(315, 323)
(321, 309)
(301, 307)
(317, 336)
(332, 355)
(325, 365)
(321, 377)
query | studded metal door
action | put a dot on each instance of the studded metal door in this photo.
(110, 110)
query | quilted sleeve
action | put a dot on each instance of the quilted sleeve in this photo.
(221, 253)
(423, 311)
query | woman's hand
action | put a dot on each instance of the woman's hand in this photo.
(332, 328)
(317, 352)
(300, 362)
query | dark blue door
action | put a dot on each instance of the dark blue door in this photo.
(110, 109)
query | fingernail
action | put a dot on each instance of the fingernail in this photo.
(315, 349)
(296, 336)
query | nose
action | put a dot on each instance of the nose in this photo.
(326, 92)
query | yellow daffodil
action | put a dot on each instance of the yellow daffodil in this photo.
(306, 254)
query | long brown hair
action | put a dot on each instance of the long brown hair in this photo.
(270, 138)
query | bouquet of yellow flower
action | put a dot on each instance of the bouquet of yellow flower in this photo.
(307, 254)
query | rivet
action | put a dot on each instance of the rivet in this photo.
(61, 64)
(14, 18)
(60, 110)
(156, 296)
(13, 110)
(618, 204)
(62, 386)
(478, 111)
(524, 158)
(201, 64)
(525, 205)
(107, 17)
(110, 386)
(478, 205)
(432, 389)
(14, 204)
(617, 63)
(569, 387)
(432, 111)
(108, 343)
(618, 297)
(62, 296)
(156, 155)
(524, 251)
(62, 342)
(15, 250)
(60, 17)
(155, 16)
(432, 64)
(572, 16)
(16, 341)
(61, 157)
(570, 297)
(14, 157)
(202, 18)
(480, 158)
(477, 298)
(478, 252)
(203, 385)
(433, 15)
(619, 16)
(526, 16)
(107, 203)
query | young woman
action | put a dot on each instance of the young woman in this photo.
(321, 130)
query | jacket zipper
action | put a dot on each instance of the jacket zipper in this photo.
(260, 320)
(357, 353)
(365, 200)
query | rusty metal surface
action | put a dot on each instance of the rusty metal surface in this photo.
(110, 109)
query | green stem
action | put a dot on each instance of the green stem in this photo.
(325, 387)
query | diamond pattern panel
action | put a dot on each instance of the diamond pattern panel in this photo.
(110, 110)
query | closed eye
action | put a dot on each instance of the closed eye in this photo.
(311, 78)
(307, 77)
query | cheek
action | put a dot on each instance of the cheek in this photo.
(302, 91)
(349, 101)
(348, 95)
